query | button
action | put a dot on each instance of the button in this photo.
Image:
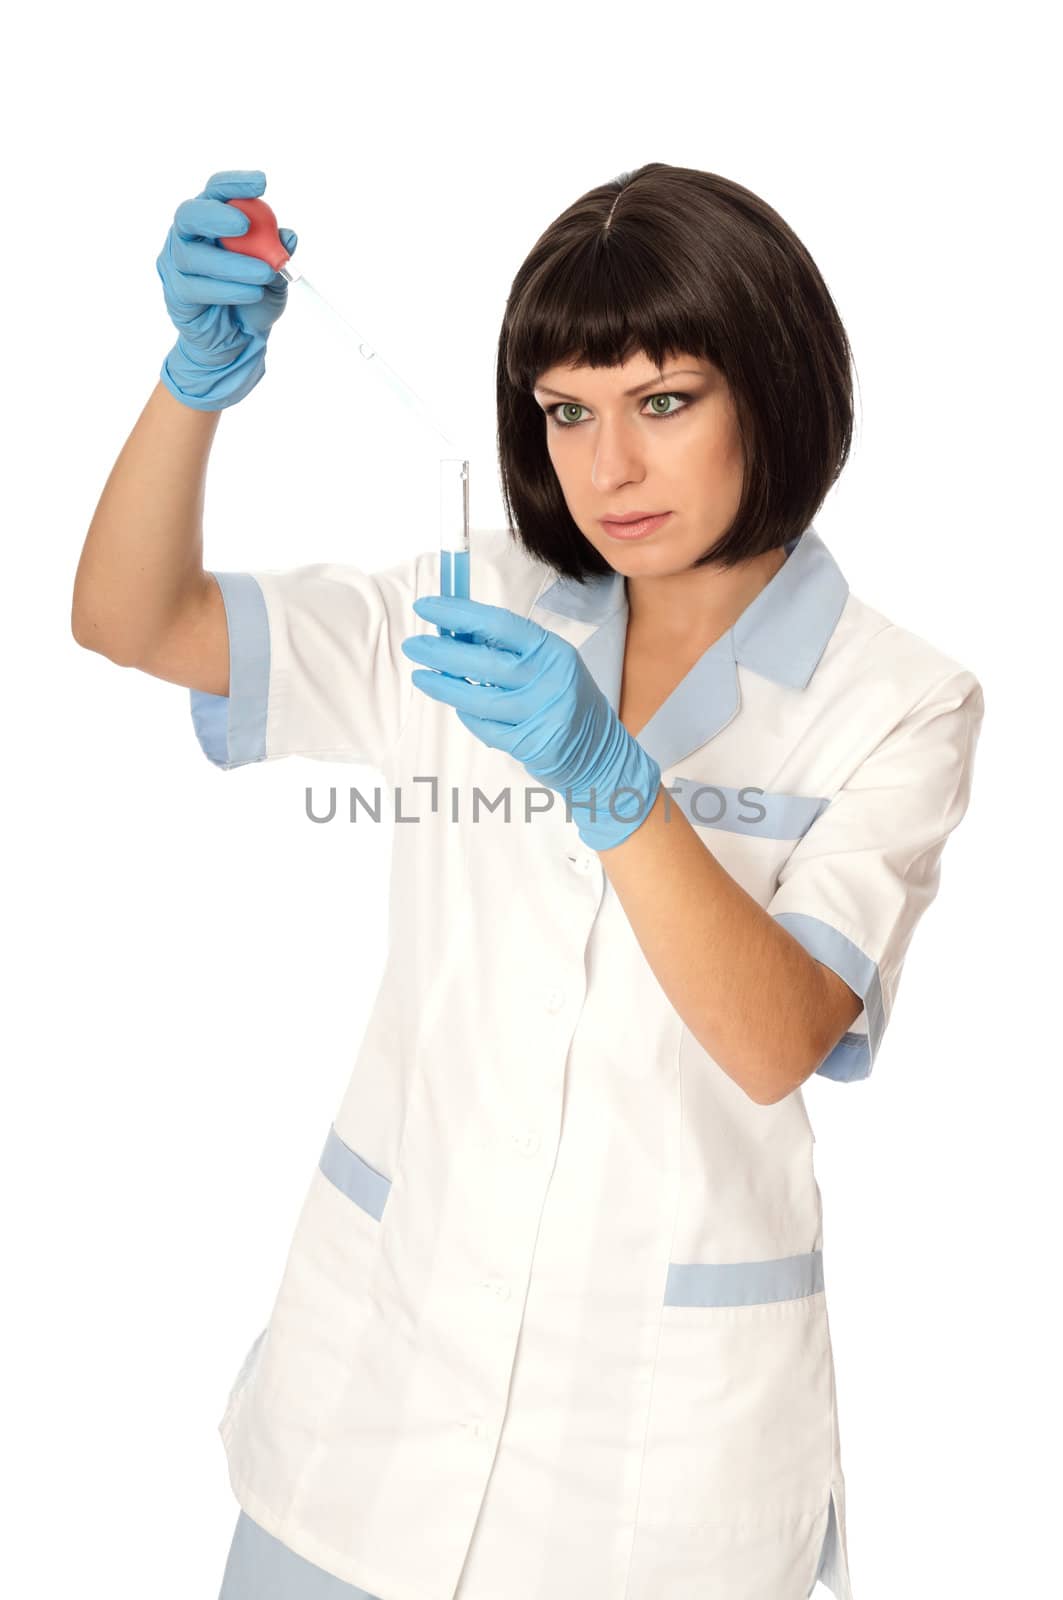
(527, 1142)
(478, 1429)
(554, 999)
(581, 863)
(502, 1290)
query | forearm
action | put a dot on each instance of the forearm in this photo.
(748, 992)
(143, 554)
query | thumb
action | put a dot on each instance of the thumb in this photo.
(277, 287)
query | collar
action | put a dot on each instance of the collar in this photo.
(780, 635)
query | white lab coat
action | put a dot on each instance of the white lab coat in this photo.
(553, 1322)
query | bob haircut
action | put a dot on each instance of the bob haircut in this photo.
(669, 261)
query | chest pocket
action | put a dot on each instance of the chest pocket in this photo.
(757, 813)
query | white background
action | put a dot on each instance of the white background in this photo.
(190, 961)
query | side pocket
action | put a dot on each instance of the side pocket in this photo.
(347, 1171)
(301, 1355)
(741, 1420)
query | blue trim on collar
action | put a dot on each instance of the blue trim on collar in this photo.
(781, 635)
(785, 629)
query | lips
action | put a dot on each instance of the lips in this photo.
(633, 516)
(634, 530)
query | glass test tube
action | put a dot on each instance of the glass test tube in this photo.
(454, 533)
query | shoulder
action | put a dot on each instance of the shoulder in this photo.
(875, 649)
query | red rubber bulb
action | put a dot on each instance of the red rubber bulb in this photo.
(262, 238)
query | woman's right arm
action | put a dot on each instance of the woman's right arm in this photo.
(304, 662)
(141, 596)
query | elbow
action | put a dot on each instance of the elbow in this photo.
(833, 1010)
(778, 1091)
(90, 640)
(772, 1096)
(779, 1078)
(90, 636)
(84, 633)
(82, 627)
(769, 1096)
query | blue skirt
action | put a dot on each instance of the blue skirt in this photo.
(261, 1568)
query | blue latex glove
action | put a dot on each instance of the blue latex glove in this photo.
(222, 304)
(534, 697)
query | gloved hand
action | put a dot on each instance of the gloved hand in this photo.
(535, 698)
(222, 304)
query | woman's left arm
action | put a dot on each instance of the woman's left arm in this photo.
(751, 995)
(764, 1009)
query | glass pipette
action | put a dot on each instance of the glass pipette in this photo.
(263, 240)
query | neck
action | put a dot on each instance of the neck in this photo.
(692, 606)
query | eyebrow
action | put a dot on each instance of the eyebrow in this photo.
(681, 372)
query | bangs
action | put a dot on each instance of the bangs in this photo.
(602, 300)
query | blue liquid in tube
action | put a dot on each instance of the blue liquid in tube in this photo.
(454, 567)
(454, 573)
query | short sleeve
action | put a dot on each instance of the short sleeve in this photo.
(315, 663)
(854, 888)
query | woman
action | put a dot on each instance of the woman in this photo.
(553, 1322)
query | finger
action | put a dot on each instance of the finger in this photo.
(199, 291)
(289, 239)
(235, 183)
(214, 261)
(462, 660)
(479, 699)
(497, 734)
(209, 219)
(494, 625)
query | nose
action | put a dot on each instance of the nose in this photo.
(618, 455)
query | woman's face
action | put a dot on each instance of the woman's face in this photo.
(673, 446)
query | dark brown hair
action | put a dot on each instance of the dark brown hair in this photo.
(669, 260)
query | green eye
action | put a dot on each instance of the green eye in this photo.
(553, 412)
